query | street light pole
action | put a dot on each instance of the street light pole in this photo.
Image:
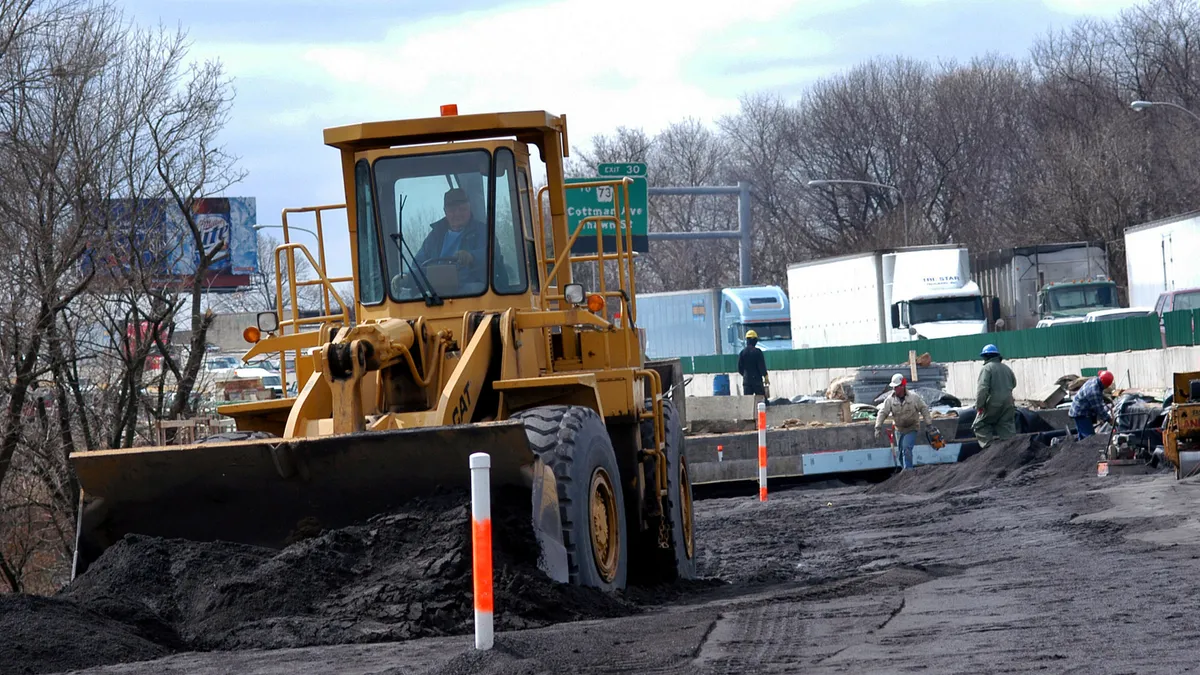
(289, 228)
(899, 192)
(1142, 105)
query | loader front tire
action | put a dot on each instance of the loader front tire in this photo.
(678, 561)
(574, 442)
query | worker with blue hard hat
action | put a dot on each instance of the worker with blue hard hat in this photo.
(995, 409)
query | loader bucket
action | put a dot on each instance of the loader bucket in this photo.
(265, 492)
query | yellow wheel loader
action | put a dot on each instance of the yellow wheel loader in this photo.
(1181, 432)
(466, 333)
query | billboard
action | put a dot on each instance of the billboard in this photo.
(153, 235)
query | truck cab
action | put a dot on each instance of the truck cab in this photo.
(932, 294)
(763, 309)
(1073, 300)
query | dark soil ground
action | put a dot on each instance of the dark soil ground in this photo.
(1017, 560)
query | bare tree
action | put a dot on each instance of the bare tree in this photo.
(92, 112)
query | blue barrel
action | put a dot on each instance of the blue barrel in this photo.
(721, 385)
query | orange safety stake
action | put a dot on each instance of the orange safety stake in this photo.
(481, 547)
(762, 452)
(720, 453)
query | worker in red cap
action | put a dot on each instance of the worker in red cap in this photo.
(1090, 405)
(906, 411)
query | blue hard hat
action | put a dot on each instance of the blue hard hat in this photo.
(990, 350)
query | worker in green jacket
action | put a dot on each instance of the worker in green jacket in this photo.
(995, 411)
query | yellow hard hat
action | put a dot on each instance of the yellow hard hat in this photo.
(751, 334)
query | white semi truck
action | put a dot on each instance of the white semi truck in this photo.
(891, 295)
(713, 320)
(1160, 256)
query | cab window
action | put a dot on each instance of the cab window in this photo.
(508, 263)
(527, 222)
(370, 272)
(434, 211)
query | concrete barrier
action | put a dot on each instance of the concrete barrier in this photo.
(726, 414)
(788, 451)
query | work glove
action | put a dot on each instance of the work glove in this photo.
(465, 258)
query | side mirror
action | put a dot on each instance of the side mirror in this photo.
(896, 315)
(912, 331)
(996, 308)
(268, 322)
(1000, 324)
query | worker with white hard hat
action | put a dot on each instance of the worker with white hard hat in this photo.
(906, 412)
(752, 366)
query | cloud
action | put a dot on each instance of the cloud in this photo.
(1092, 7)
(305, 65)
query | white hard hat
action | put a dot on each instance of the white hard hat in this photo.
(897, 380)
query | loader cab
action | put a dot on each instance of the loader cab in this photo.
(446, 226)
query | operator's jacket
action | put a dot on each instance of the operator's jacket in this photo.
(474, 240)
(906, 412)
(995, 395)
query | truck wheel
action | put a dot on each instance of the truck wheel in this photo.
(573, 441)
(679, 561)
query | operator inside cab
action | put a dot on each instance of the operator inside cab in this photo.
(458, 239)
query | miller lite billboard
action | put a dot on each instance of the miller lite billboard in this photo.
(154, 235)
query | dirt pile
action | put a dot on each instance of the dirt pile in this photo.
(398, 576)
(1077, 458)
(47, 635)
(999, 461)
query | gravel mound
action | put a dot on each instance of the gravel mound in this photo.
(398, 576)
(47, 635)
(1077, 458)
(999, 461)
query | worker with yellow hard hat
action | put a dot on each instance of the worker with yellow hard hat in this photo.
(752, 366)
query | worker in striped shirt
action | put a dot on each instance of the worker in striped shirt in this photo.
(1089, 405)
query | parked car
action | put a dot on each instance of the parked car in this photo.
(1176, 300)
(1116, 314)
(1059, 321)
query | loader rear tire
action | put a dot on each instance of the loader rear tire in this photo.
(679, 561)
(574, 442)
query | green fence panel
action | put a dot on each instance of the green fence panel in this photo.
(1180, 328)
(1102, 337)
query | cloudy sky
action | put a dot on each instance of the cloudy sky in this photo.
(302, 65)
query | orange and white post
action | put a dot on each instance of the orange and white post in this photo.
(720, 453)
(762, 452)
(481, 546)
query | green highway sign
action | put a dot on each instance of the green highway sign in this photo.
(598, 201)
(622, 169)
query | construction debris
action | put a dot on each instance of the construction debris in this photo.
(1049, 397)
(841, 389)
